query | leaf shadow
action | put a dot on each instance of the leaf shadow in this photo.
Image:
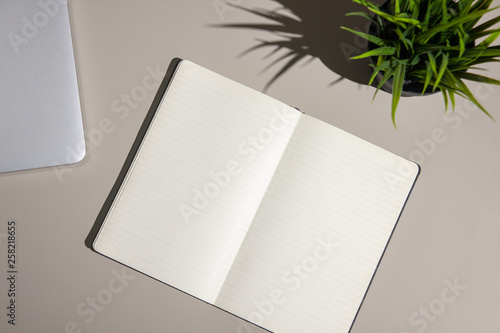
(306, 30)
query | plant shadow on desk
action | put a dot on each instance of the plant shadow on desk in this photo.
(306, 30)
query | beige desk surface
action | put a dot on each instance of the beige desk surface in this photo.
(448, 234)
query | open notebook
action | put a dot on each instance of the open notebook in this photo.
(250, 205)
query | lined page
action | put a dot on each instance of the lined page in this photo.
(197, 180)
(319, 234)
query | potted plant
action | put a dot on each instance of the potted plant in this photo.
(431, 45)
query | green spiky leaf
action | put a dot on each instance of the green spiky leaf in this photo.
(385, 50)
(397, 89)
(433, 42)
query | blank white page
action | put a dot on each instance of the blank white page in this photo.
(211, 136)
(319, 234)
